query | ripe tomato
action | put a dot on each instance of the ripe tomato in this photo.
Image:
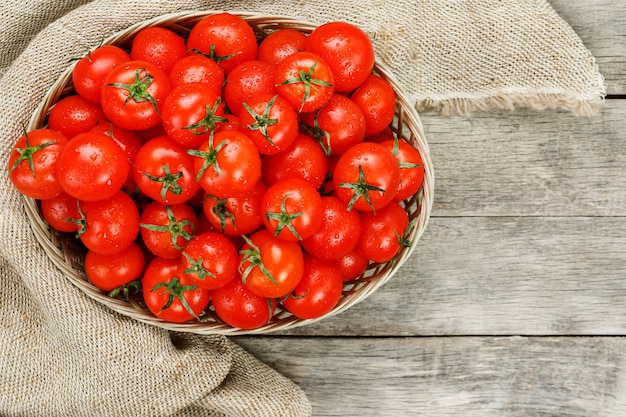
(133, 94)
(110, 272)
(108, 226)
(376, 98)
(210, 260)
(270, 122)
(303, 159)
(348, 51)
(92, 166)
(225, 38)
(270, 267)
(159, 46)
(197, 69)
(318, 292)
(74, 114)
(33, 162)
(411, 167)
(191, 112)
(164, 171)
(126, 139)
(292, 209)
(239, 307)
(366, 176)
(58, 209)
(352, 265)
(246, 81)
(89, 73)
(339, 231)
(305, 80)
(337, 126)
(228, 164)
(279, 44)
(169, 294)
(382, 232)
(236, 215)
(166, 229)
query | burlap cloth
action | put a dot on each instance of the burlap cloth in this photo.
(62, 354)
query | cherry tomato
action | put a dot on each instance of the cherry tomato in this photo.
(236, 215)
(92, 166)
(366, 176)
(169, 294)
(305, 80)
(270, 267)
(210, 260)
(348, 51)
(352, 265)
(411, 168)
(159, 46)
(166, 229)
(225, 38)
(279, 44)
(133, 94)
(89, 73)
(110, 272)
(318, 292)
(246, 81)
(164, 171)
(74, 114)
(59, 210)
(239, 307)
(197, 69)
(32, 163)
(126, 139)
(375, 96)
(382, 232)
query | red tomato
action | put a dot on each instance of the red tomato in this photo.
(270, 267)
(338, 234)
(166, 229)
(383, 135)
(74, 114)
(411, 167)
(375, 96)
(305, 80)
(292, 209)
(210, 260)
(191, 112)
(239, 307)
(270, 122)
(366, 176)
(159, 46)
(303, 159)
(236, 215)
(89, 73)
(279, 44)
(110, 272)
(169, 294)
(197, 69)
(231, 123)
(318, 292)
(228, 164)
(246, 81)
(382, 232)
(58, 209)
(225, 38)
(164, 171)
(108, 226)
(352, 265)
(33, 162)
(348, 51)
(337, 126)
(133, 94)
(126, 139)
(92, 166)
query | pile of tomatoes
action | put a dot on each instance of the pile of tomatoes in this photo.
(221, 172)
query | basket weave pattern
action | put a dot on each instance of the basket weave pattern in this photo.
(67, 252)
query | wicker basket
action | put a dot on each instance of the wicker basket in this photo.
(67, 253)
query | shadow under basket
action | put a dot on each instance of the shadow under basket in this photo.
(67, 253)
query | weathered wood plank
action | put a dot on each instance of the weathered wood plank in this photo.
(500, 276)
(469, 377)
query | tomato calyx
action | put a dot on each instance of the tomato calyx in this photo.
(262, 121)
(360, 189)
(27, 153)
(319, 134)
(209, 156)
(395, 150)
(284, 219)
(176, 228)
(175, 290)
(307, 79)
(208, 122)
(81, 222)
(126, 290)
(169, 181)
(222, 212)
(252, 255)
(213, 55)
(138, 89)
(197, 268)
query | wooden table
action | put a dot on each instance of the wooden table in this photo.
(514, 302)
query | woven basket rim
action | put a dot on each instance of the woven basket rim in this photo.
(62, 253)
